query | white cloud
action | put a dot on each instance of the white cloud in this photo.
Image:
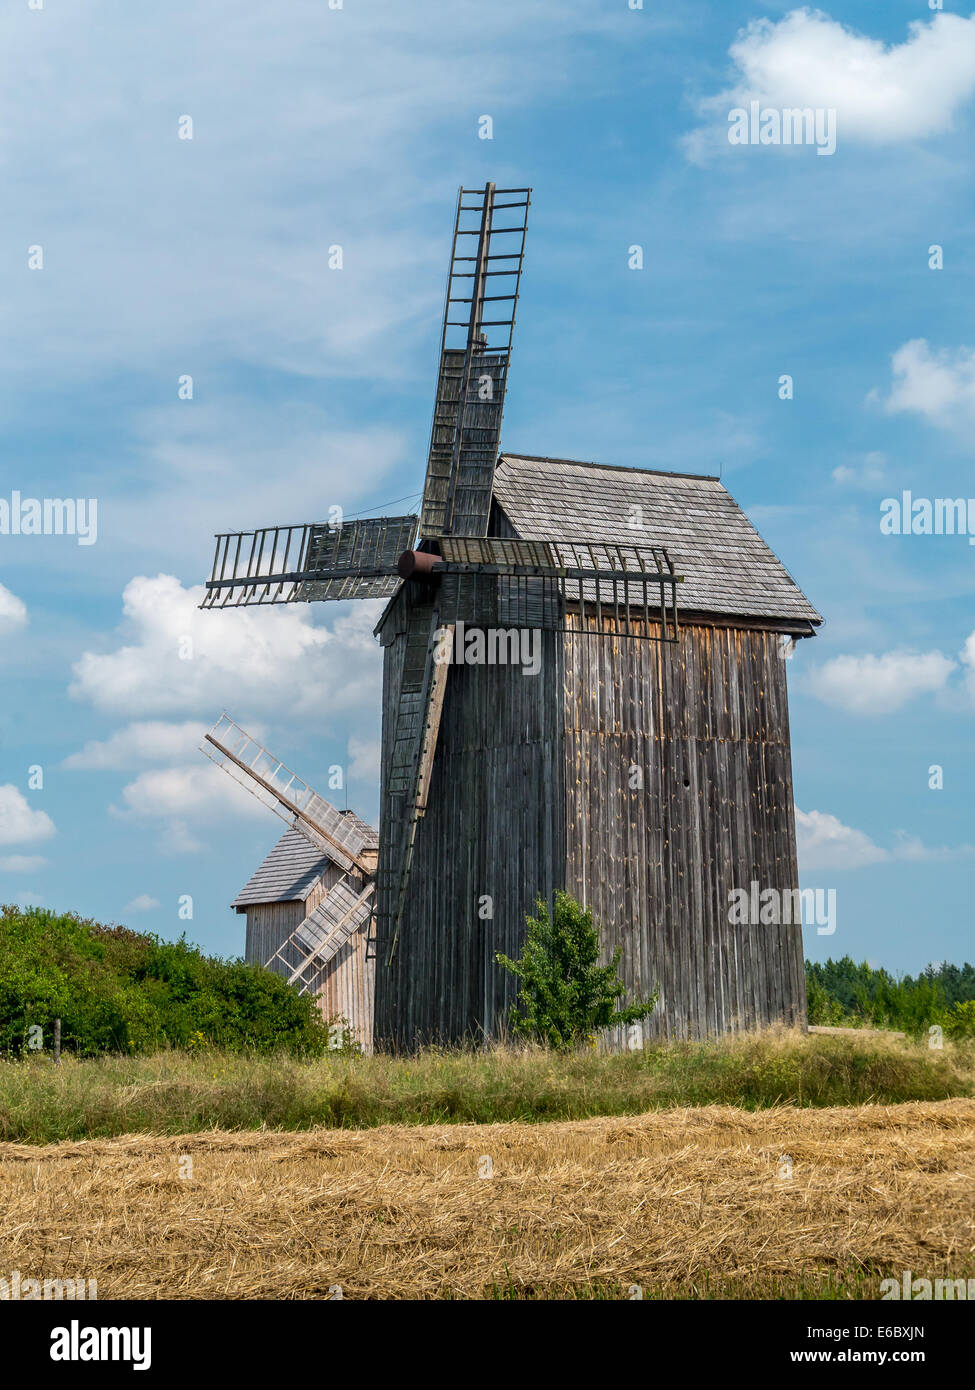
(21, 863)
(151, 741)
(187, 800)
(13, 611)
(879, 684)
(273, 660)
(881, 92)
(200, 791)
(142, 903)
(20, 824)
(940, 386)
(824, 842)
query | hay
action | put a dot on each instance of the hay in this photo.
(675, 1201)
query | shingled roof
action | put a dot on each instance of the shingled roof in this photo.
(727, 567)
(291, 870)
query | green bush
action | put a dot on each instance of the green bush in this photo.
(566, 995)
(118, 991)
(961, 1020)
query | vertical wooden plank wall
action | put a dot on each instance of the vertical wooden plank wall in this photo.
(494, 829)
(648, 779)
(704, 727)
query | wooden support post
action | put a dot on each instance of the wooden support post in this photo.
(57, 1042)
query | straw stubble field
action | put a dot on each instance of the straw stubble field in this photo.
(680, 1202)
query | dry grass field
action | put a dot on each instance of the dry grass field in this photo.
(683, 1202)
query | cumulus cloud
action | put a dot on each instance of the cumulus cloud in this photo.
(20, 824)
(879, 684)
(882, 93)
(183, 801)
(824, 842)
(13, 612)
(149, 741)
(937, 385)
(174, 659)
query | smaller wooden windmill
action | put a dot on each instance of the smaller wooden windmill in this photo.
(308, 952)
(458, 573)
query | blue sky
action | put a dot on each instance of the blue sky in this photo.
(314, 127)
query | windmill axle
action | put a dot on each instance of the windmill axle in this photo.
(415, 564)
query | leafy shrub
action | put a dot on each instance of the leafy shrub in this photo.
(961, 1020)
(566, 995)
(116, 990)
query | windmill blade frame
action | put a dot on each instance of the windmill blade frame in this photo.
(301, 564)
(472, 378)
(317, 939)
(283, 792)
(488, 581)
(414, 749)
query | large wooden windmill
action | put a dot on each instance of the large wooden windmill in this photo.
(620, 762)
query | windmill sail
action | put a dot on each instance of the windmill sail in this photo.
(277, 787)
(296, 564)
(421, 698)
(518, 583)
(479, 318)
(345, 909)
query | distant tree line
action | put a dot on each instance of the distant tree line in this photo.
(841, 992)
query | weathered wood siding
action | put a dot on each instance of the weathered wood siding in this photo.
(268, 925)
(678, 790)
(649, 780)
(492, 839)
(345, 988)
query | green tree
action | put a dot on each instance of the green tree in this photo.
(566, 996)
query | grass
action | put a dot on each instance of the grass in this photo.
(681, 1203)
(182, 1093)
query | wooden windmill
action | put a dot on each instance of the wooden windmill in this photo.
(307, 951)
(496, 787)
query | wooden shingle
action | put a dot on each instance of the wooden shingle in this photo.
(291, 870)
(728, 569)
